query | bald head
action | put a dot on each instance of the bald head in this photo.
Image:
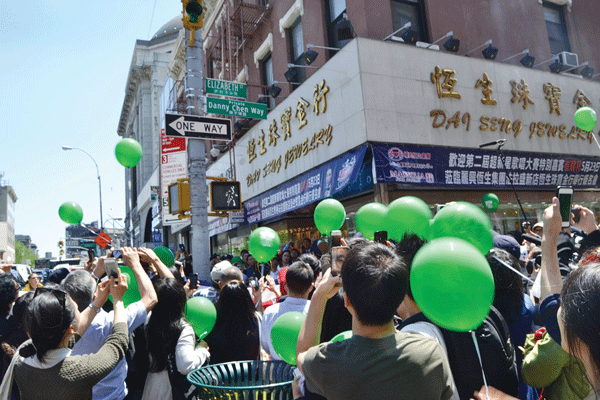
(230, 274)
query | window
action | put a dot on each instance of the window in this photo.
(557, 28)
(297, 50)
(336, 10)
(404, 11)
(267, 77)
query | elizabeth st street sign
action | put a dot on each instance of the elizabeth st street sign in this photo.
(194, 126)
(225, 88)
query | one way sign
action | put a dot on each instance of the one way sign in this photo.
(193, 126)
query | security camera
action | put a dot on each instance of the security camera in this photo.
(214, 152)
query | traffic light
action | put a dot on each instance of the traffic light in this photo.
(179, 197)
(61, 245)
(193, 16)
(225, 196)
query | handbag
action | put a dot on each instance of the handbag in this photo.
(181, 388)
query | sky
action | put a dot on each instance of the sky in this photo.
(62, 80)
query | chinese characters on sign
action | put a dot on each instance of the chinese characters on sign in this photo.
(445, 83)
(261, 143)
(437, 166)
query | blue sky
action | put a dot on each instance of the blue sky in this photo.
(62, 80)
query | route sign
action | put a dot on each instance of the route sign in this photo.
(225, 88)
(194, 126)
(236, 108)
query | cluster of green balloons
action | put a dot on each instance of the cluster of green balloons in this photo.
(445, 270)
(264, 244)
(405, 214)
(202, 314)
(70, 212)
(585, 119)
(128, 152)
(284, 335)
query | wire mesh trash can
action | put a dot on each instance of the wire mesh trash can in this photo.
(244, 380)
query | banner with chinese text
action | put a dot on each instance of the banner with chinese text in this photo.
(320, 183)
(441, 166)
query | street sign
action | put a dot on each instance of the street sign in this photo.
(87, 245)
(236, 108)
(103, 240)
(193, 126)
(225, 88)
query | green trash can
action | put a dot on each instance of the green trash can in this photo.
(244, 380)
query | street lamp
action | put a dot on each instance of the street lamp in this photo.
(99, 181)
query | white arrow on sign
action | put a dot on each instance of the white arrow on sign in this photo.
(181, 126)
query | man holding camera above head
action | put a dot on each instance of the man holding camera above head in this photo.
(377, 362)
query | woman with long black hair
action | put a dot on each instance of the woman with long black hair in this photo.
(169, 338)
(235, 336)
(44, 367)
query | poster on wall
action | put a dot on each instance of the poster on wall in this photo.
(455, 167)
(320, 183)
(173, 166)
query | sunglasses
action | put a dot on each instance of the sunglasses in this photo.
(60, 295)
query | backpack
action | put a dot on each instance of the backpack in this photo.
(497, 356)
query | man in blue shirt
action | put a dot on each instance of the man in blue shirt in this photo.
(81, 287)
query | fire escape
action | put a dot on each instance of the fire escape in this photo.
(227, 48)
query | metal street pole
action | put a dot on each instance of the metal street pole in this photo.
(197, 162)
(99, 181)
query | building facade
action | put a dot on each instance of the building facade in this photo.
(140, 119)
(369, 111)
(8, 198)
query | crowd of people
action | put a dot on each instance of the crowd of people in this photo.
(62, 339)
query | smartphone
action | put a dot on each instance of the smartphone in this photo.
(565, 199)
(576, 214)
(116, 254)
(336, 238)
(91, 255)
(111, 267)
(338, 255)
(193, 281)
(381, 237)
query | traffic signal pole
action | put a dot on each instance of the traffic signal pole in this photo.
(200, 245)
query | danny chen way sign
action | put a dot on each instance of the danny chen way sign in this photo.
(193, 126)
(236, 108)
(225, 88)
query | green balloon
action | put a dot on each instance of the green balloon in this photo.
(408, 213)
(128, 152)
(466, 221)
(452, 284)
(133, 293)
(70, 212)
(490, 202)
(342, 336)
(585, 119)
(329, 215)
(284, 335)
(165, 255)
(264, 244)
(202, 314)
(370, 218)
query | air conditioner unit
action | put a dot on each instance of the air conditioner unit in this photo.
(569, 60)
